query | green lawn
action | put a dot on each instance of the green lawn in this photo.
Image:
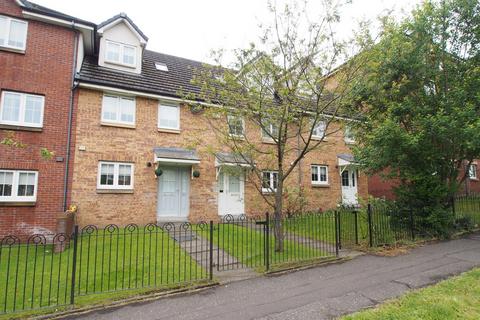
(246, 244)
(33, 277)
(455, 298)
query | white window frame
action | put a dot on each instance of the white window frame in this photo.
(7, 34)
(116, 167)
(472, 171)
(314, 131)
(233, 117)
(15, 181)
(118, 109)
(347, 135)
(270, 189)
(268, 135)
(318, 182)
(121, 54)
(162, 104)
(23, 98)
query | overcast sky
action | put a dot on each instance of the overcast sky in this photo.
(192, 28)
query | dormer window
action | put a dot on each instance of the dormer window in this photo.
(120, 53)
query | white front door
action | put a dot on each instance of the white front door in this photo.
(349, 186)
(231, 193)
(173, 193)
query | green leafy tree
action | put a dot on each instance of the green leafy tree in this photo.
(277, 87)
(421, 100)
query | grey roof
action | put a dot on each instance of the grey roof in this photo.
(225, 157)
(176, 153)
(33, 7)
(122, 15)
(346, 157)
(179, 75)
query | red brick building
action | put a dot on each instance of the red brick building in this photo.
(38, 57)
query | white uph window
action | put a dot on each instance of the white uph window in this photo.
(270, 181)
(269, 130)
(115, 175)
(349, 137)
(18, 186)
(120, 53)
(318, 131)
(236, 126)
(22, 109)
(319, 175)
(168, 117)
(472, 171)
(13, 33)
(118, 109)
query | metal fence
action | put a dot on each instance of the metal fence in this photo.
(56, 270)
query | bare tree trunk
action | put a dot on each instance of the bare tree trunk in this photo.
(277, 216)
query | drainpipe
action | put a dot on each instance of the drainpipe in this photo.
(70, 120)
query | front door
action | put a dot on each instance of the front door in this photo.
(173, 193)
(231, 193)
(349, 186)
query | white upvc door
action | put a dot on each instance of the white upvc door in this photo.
(231, 189)
(349, 186)
(173, 193)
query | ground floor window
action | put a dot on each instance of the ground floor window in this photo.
(319, 175)
(18, 185)
(115, 175)
(270, 181)
(472, 171)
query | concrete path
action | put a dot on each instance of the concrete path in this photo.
(318, 293)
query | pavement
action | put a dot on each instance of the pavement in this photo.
(318, 293)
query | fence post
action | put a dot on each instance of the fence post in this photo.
(412, 225)
(336, 234)
(339, 229)
(370, 233)
(356, 226)
(211, 250)
(267, 241)
(74, 264)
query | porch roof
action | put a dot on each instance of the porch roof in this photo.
(345, 159)
(176, 155)
(225, 158)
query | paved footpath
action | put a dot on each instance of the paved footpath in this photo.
(318, 293)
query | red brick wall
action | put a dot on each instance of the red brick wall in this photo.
(46, 69)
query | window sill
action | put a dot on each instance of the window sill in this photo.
(166, 130)
(236, 137)
(319, 139)
(268, 192)
(318, 185)
(131, 66)
(268, 141)
(474, 179)
(350, 142)
(17, 203)
(118, 125)
(20, 128)
(114, 191)
(13, 50)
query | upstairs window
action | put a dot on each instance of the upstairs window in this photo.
(349, 137)
(236, 126)
(21, 109)
(18, 186)
(319, 175)
(115, 175)
(472, 171)
(168, 117)
(13, 33)
(269, 130)
(318, 131)
(120, 53)
(118, 109)
(270, 181)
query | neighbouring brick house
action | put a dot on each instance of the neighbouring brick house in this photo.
(131, 121)
(38, 51)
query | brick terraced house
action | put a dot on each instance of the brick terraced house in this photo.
(38, 54)
(111, 112)
(131, 121)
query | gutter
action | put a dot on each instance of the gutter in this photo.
(70, 120)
